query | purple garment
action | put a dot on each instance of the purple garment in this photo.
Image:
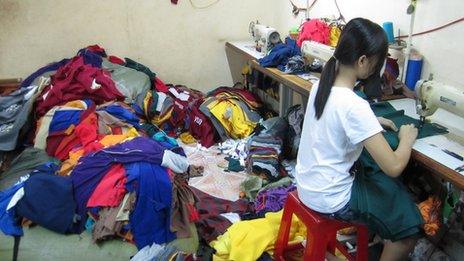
(91, 57)
(47, 68)
(90, 170)
(272, 200)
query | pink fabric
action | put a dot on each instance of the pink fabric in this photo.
(74, 81)
(111, 189)
(315, 30)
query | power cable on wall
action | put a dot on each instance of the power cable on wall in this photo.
(434, 29)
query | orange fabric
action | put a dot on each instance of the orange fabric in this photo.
(106, 141)
(430, 211)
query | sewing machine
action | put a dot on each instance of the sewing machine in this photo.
(265, 37)
(311, 50)
(432, 95)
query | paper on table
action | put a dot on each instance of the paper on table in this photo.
(437, 154)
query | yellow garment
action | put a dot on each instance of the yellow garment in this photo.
(187, 138)
(146, 102)
(108, 140)
(335, 32)
(232, 118)
(159, 119)
(248, 240)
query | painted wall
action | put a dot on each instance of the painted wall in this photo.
(443, 52)
(183, 45)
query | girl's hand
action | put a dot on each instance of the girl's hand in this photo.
(388, 124)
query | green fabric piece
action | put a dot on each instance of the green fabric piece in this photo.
(380, 201)
(23, 164)
(252, 185)
(150, 129)
(141, 68)
(234, 165)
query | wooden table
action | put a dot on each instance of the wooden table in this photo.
(424, 158)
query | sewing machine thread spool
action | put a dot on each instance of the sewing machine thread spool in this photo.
(414, 70)
(388, 28)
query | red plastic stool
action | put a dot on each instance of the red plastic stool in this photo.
(321, 233)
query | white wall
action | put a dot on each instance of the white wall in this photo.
(183, 45)
(443, 50)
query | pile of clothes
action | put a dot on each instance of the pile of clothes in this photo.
(233, 112)
(93, 160)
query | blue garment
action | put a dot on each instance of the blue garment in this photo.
(123, 114)
(9, 223)
(48, 201)
(150, 220)
(50, 168)
(280, 54)
(162, 137)
(47, 68)
(63, 119)
(91, 168)
(90, 57)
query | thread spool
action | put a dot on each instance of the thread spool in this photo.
(388, 28)
(414, 70)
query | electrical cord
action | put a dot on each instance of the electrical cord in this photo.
(205, 6)
(434, 29)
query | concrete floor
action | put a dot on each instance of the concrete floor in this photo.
(39, 243)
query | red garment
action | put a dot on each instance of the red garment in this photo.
(60, 143)
(77, 81)
(111, 189)
(160, 86)
(315, 30)
(116, 60)
(201, 127)
(97, 49)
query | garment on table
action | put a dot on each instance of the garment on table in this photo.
(76, 80)
(23, 164)
(272, 199)
(314, 30)
(14, 111)
(111, 189)
(330, 147)
(131, 83)
(380, 201)
(48, 201)
(141, 68)
(9, 221)
(294, 65)
(281, 53)
(248, 240)
(211, 223)
(183, 207)
(47, 68)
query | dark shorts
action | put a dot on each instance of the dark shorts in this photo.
(344, 214)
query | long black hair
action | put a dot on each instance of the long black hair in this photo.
(359, 37)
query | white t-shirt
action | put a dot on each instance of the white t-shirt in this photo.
(329, 147)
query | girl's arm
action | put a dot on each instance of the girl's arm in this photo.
(392, 162)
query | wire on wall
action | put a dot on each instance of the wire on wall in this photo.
(435, 29)
(205, 6)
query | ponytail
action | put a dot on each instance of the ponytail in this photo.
(325, 86)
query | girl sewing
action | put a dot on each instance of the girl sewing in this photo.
(338, 124)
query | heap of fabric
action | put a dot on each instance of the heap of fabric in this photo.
(265, 149)
(314, 30)
(97, 161)
(232, 111)
(280, 54)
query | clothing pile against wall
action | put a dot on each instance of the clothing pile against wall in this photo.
(102, 155)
